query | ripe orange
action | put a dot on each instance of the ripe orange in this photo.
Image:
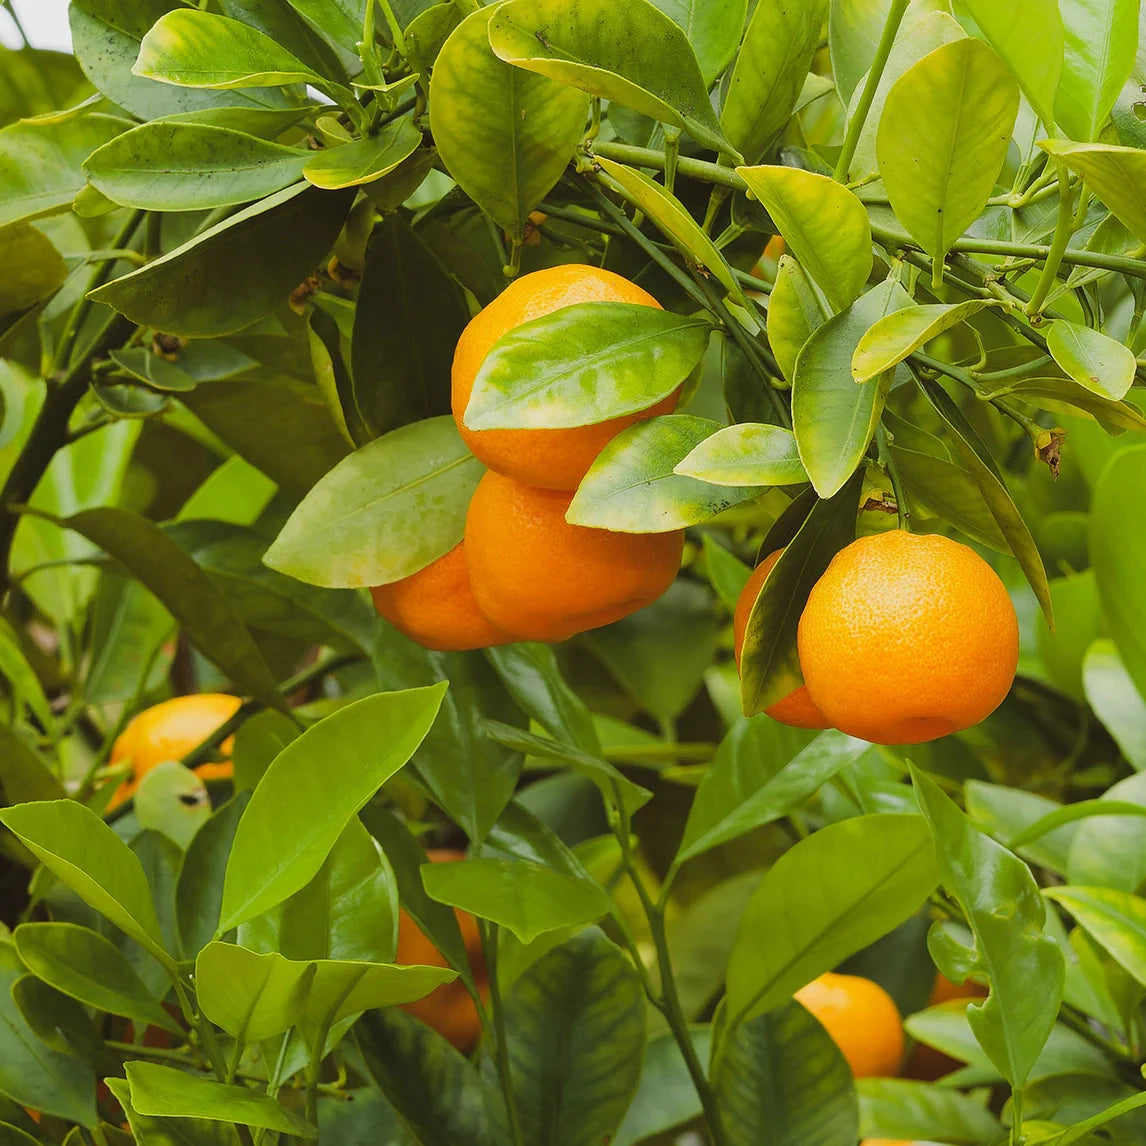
(551, 458)
(170, 730)
(796, 708)
(536, 575)
(448, 1009)
(944, 991)
(436, 606)
(927, 1063)
(908, 637)
(861, 1018)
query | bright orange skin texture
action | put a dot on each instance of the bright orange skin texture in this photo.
(551, 458)
(448, 1009)
(796, 708)
(170, 730)
(536, 575)
(436, 607)
(908, 637)
(861, 1018)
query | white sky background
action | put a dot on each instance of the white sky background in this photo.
(45, 21)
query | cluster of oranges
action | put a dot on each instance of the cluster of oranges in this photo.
(522, 572)
(905, 638)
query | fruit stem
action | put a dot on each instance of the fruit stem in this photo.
(489, 935)
(892, 471)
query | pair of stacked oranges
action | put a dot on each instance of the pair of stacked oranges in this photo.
(522, 572)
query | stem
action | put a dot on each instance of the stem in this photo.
(851, 139)
(648, 157)
(396, 33)
(501, 1049)
(1016, 1116)
(16, 21)
(672, 156)
(892, 471)
(1064, 228)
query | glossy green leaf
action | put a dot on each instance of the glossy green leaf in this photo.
(342, 988)
(761, 772)
(340, 21)
(854, 30)
(1081, 1130)
(1001, 903)
(204, 50)
(794, 313)
(186, 1131)
(727, 573)
(199, 889)
(629, 54)
(584, 364)
(575, 1025)
(366, 159)
(504, 134)
(1008, 813)
(833, 418)
(24, 773)
(35, 269)
(1115, 919)
(383, 513)
(1028, 36)
(173, 801)
(1099, 42)
(251, 996)
(286, 27)
(1092, 359)
(141, 364)
(713, 28)
(270, 861)
(89, 968)
(770, 70)
(943, 138)
(237, 271)
(902, 1108)
(782, 1070)
(824, 225)
(890, 340)
(523, 896)
(1109, 851)
(632, 487)
(164, 1092)
(1062, 395)
(1115, 701)
(665, 1097)
(84, 854)
(1116, 175)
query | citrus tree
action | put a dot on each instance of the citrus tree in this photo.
(676, 465)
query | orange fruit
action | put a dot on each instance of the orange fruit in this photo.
(908, 637)
(551, 458)
(170, 730)
(448, 1009)
(796, 708)
(436, 606)
(928, 1063)
(862, 1019)
(536, 575)
(944, 991)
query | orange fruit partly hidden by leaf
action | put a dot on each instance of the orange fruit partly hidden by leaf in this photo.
(796, 708)
(551, 458)
(536, 575)
(170, 730)
(944, 991)
(928, 1063)
(908, 637)
(448, 1009)
(436, 607)
(862, 1019)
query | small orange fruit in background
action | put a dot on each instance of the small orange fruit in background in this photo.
(536, 575)
(908, 637)
(862, 1019)
(448, 1009)
(551, 458)
(436, 607)
(928, 1063)
(796, 708)
(170, 730)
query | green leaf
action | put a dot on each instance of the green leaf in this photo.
(899, 1107)
(890, 340)
(190, 167)
(1116, 702)
(35, 1075)
(364, 160)
(854, 30)
(575, 1025)
(87, 967)
(770, 70)
(824, 225)
(630, 54)
(84, 854)
(340, 21)
(251, 996)
(173, 801)
(523, 896)
(257, 742)
(713, 28)
(164, 1092)
(666, 1096)
(1092, 359)
(769, 661)
(34, 268)
(1007, 813)
(1001, 903)
(585, 364)
(298, 811)
(943, 138)
(1109, 852)
(762, 771)
(1115, 919)
(1028, 35)
(1062, 395)
(199, 890)
(203, 50)
(505, 135)
(833, 418)
(632, 487)
(726, 572)
(1117, 175)
(828, 897)
(1100, 38)
(21, 678)
(383, 513)
(237, 271)
(202, 611)
(184, 1131)
(341, 989)
(1083, 1129)
(24, 774)
(794, 313)
(40, 163)
(286, 27)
